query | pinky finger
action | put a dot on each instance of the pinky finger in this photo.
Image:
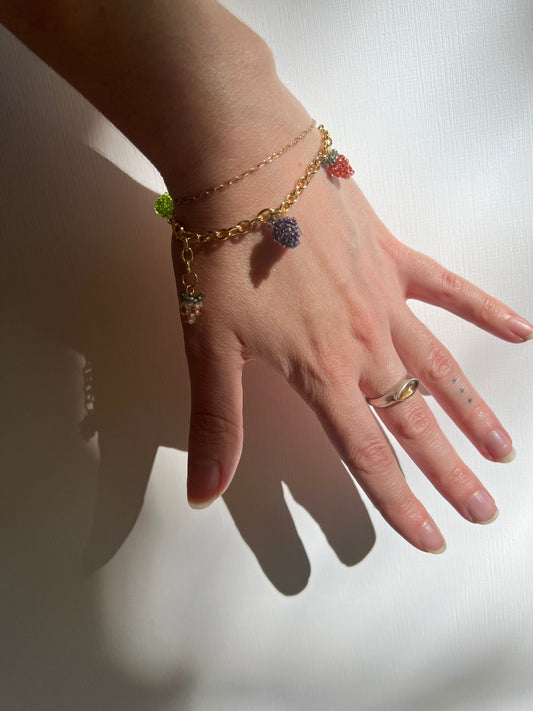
(428, 281)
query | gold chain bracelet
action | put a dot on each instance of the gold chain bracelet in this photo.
(285, 230)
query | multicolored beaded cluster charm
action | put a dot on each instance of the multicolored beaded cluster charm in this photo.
(191, 307)
(285, 230)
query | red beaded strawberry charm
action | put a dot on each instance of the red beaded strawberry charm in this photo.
(338, 165)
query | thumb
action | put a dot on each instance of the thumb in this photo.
(216, 429)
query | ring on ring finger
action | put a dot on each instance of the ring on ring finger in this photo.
(401, 391)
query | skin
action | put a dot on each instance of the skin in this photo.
(186, 82)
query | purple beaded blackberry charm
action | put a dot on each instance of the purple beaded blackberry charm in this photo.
(191, 307)
(286, 232)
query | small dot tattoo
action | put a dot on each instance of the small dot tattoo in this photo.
(454, 380)
(461, 390)
(469, 400)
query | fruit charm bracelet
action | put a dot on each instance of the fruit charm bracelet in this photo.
(285, 230)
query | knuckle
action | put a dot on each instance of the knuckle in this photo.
(324, 370)
(416, 424)
(458, 480)
(488, 309)
(396, 250)
(408, 508)
(368, 329)
(438, 366)
(367, 321)
(325, 362)
(451, 285)
(482, 417)
(370, 337)
(401, 506)
(207, 427)
(372, 456)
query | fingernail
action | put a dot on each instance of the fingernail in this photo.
(430, 538)
(481, 507)
(500, 446)
(521, 328)
(203, 483)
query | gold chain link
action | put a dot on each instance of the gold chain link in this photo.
(189, 279)
(244, 227)
(237, 178)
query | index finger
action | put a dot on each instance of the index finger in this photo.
(427, 280)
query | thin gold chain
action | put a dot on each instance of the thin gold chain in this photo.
(232, 181)
(244, 227)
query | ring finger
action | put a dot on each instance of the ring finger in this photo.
(426, 357)
(414, 426)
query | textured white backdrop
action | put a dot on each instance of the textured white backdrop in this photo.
(290, 594)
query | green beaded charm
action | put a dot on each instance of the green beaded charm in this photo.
(164, 206)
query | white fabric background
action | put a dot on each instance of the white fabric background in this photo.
(290, 594)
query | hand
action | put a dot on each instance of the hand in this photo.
(198, 91)
(331, 315)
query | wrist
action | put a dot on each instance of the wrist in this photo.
(239, 125)
(180, 78)
(260, 189)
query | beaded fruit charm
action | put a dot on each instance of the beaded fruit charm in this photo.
(191, 307)
(286, 232)
(338, 165)
(164, 207)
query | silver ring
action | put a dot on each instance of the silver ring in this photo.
(403, 390)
